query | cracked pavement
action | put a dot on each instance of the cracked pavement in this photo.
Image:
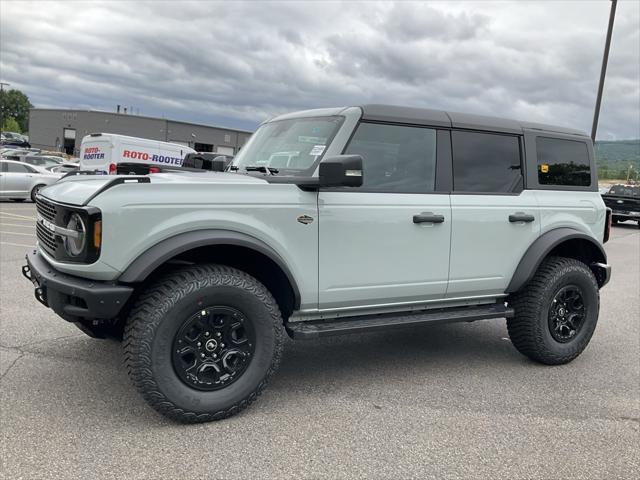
(447, 401)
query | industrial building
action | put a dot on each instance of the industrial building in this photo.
(62, 129)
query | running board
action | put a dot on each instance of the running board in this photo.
(368, 323)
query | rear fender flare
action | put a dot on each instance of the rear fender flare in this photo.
(541, 248)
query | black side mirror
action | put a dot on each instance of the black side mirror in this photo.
(341, 171)
(219, 164)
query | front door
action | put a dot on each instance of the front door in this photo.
(387, 242)
(16, 178)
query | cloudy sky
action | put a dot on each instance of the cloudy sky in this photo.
(236, 64)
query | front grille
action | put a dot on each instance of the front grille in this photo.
(46, 237)
(46, 209)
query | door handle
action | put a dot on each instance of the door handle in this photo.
(521, 217)
(428, 217)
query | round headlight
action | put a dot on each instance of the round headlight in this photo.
(74, 244)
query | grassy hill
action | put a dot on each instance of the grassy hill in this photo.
(614, 158)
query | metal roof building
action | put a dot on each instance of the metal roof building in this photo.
(63, 129)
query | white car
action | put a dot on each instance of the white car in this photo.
(20, 181)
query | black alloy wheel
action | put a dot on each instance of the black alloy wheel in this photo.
(213, 348)
(566, 314)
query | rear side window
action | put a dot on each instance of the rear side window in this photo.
(486, 162)
(396, 159)
(563, 162)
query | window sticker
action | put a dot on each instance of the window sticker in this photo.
(544, 168)
(316, 140)
(317, 150)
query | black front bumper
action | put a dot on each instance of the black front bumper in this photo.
(74, 299)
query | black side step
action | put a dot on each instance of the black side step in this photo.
(367, 323)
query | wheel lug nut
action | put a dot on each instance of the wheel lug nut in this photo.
(199, 344)
(222, 345)
(206, 334)
(202, 355)
(218, 334)
(215, 356)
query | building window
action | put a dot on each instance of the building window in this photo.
(227, 138)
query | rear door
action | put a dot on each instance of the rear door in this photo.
(95, 154)
(387, 242)
(494, 219)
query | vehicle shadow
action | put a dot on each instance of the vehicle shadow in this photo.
(323, 366)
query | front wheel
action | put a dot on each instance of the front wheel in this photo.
(202, 342)
(556, 313)
(34, 192)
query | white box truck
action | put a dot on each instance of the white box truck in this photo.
(108, 153)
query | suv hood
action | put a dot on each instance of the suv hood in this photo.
(80, 189)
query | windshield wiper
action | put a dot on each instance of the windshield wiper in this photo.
(262, 169)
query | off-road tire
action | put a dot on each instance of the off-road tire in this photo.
(160, 311)
(529, 328)
(34, 192)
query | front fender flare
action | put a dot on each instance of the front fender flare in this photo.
(167, 249)
(539, 249)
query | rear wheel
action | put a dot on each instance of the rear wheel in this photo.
(556, 313)
(202, 342)
(34, 192)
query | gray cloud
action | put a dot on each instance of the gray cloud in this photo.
(239, 63)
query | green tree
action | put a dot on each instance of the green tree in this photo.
(10, 125)
(15, 104)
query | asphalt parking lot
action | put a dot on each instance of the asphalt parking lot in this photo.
(450, 401)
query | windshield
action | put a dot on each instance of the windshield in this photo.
(625, 190)
(292, 147)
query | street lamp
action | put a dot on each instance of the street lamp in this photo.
(603, 70)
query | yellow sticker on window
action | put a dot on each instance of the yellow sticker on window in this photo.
(544, 168)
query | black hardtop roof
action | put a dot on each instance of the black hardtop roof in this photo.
(441, 118)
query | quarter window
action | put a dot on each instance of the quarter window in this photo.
(486, 162)
(563, 162)
(396, 159)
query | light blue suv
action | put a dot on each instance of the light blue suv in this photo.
(331, 221)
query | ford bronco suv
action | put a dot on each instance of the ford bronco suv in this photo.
(330, 221)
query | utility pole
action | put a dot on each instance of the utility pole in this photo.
(603, 70)
(2, 84)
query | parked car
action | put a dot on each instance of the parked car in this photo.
(41, 160)
(624, 201)
(214, 162)
(379, 217)
(20, 181)
(64, 167)
(14, 139)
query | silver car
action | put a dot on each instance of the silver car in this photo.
(20, 181)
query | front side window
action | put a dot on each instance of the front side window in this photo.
(396, 159)
(292, 147)
(486, 162)
(17, 168)
(563, 162)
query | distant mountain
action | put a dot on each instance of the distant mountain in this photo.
(614, 158)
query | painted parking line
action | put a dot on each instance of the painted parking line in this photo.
(26, 225)
(17, 244)
(13, 215)
(16, 233)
